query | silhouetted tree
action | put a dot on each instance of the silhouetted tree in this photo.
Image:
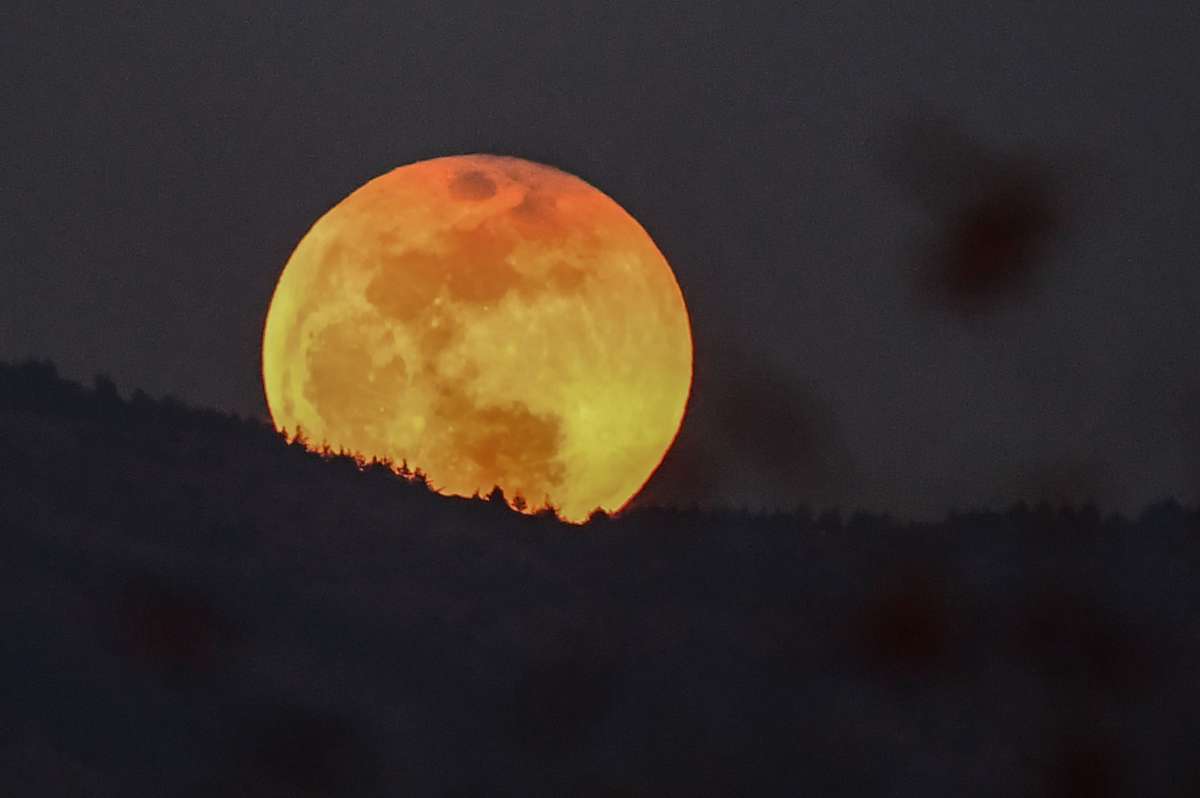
(1165, 513)
(299, 438)
(105, 390)
(830, 520)
(598, 516)
(420, 478)
(548, 511)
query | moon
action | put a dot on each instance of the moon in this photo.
(491, 321)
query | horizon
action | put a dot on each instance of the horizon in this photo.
(102, 388)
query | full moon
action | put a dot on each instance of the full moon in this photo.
(491, 321)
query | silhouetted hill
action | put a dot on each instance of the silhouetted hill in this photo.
(194, 607)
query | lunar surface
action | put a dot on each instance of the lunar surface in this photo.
(490, 321)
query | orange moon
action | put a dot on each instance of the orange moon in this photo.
(490, 320)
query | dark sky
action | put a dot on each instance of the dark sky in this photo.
(935, 254)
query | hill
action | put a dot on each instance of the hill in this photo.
(194, 606)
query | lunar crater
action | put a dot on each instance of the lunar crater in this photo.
(509, 445)
(474, 185)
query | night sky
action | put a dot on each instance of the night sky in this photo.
(936, 255)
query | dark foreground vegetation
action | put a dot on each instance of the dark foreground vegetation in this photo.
(193, 607)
